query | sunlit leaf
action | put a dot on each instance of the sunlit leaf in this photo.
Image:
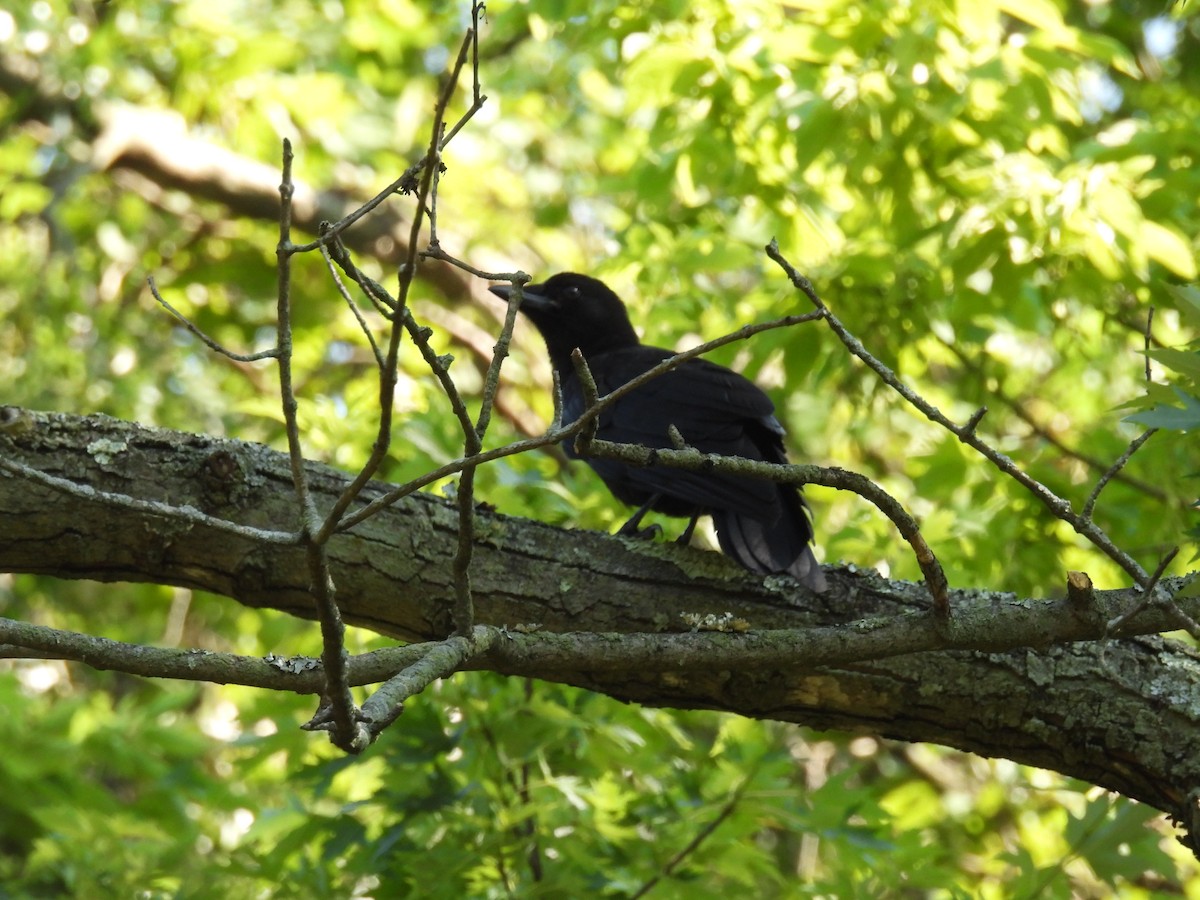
(1168, 247)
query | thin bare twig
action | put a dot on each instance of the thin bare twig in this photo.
(480, 342)
(464, 601)
(440, 659)
(591, 397)
(433, 194)
(401, 321)
(1182, 619)
(976, 418)
(345, 294)
(491, 379)
(300, 674)
(347, 732)
(464, 611)
(1043, 433)
(688, 849)
(839, 479)
(385, 304)
(1147, 593)
(439, 254)
(1090, 504)
(407, 183)
(1058, 507)
(209, 342)
(283, 327)
(1149, 331)
(189, 514)
(477, 97)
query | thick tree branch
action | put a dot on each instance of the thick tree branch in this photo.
(1119, 713)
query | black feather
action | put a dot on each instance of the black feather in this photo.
(761, 524)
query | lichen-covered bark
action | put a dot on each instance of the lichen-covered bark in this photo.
(1123, 714)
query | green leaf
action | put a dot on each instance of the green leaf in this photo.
(1169, 247)
(1186, 362)
(1172, 417)
(1187, 302)
(1038, 13)
(1109, 51)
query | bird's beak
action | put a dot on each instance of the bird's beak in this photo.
(531, 297)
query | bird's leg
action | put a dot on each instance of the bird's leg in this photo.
(633, 528)
(686, 537)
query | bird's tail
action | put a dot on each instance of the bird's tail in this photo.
(772, 547)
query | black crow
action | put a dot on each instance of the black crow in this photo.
(761, 524)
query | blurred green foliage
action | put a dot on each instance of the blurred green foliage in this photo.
(992, 195)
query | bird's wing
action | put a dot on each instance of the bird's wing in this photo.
(715, 410)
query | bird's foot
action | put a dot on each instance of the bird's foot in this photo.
(633, 530)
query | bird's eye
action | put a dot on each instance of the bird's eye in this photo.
(572, 293)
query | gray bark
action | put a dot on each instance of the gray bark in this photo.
(1122, 713)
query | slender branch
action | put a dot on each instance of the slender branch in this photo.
(1090, 504)
(346, 732)
(436, 252)
(401, 321)
(464, 603)
(453, 468)
(556, 396)
(840, 479)
(976, 418)
(477, 9)
(283, 326)
(1058, 507)
(1043, 433)
(209, 342)
(345, 294)
(298, 674)
(440, 366)
(477, 98)
(688, 849)
(1182, 619)
(441, 659)
(433, 194)
(491, 380)
(400, 185)
(480, 342)
(993, 624)
(181, 514)
(1148, 338)
(407, 183)
(384, 303)
(587, 385)
(464, 614)
(1147, 592)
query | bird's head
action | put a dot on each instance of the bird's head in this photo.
(572, 311)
